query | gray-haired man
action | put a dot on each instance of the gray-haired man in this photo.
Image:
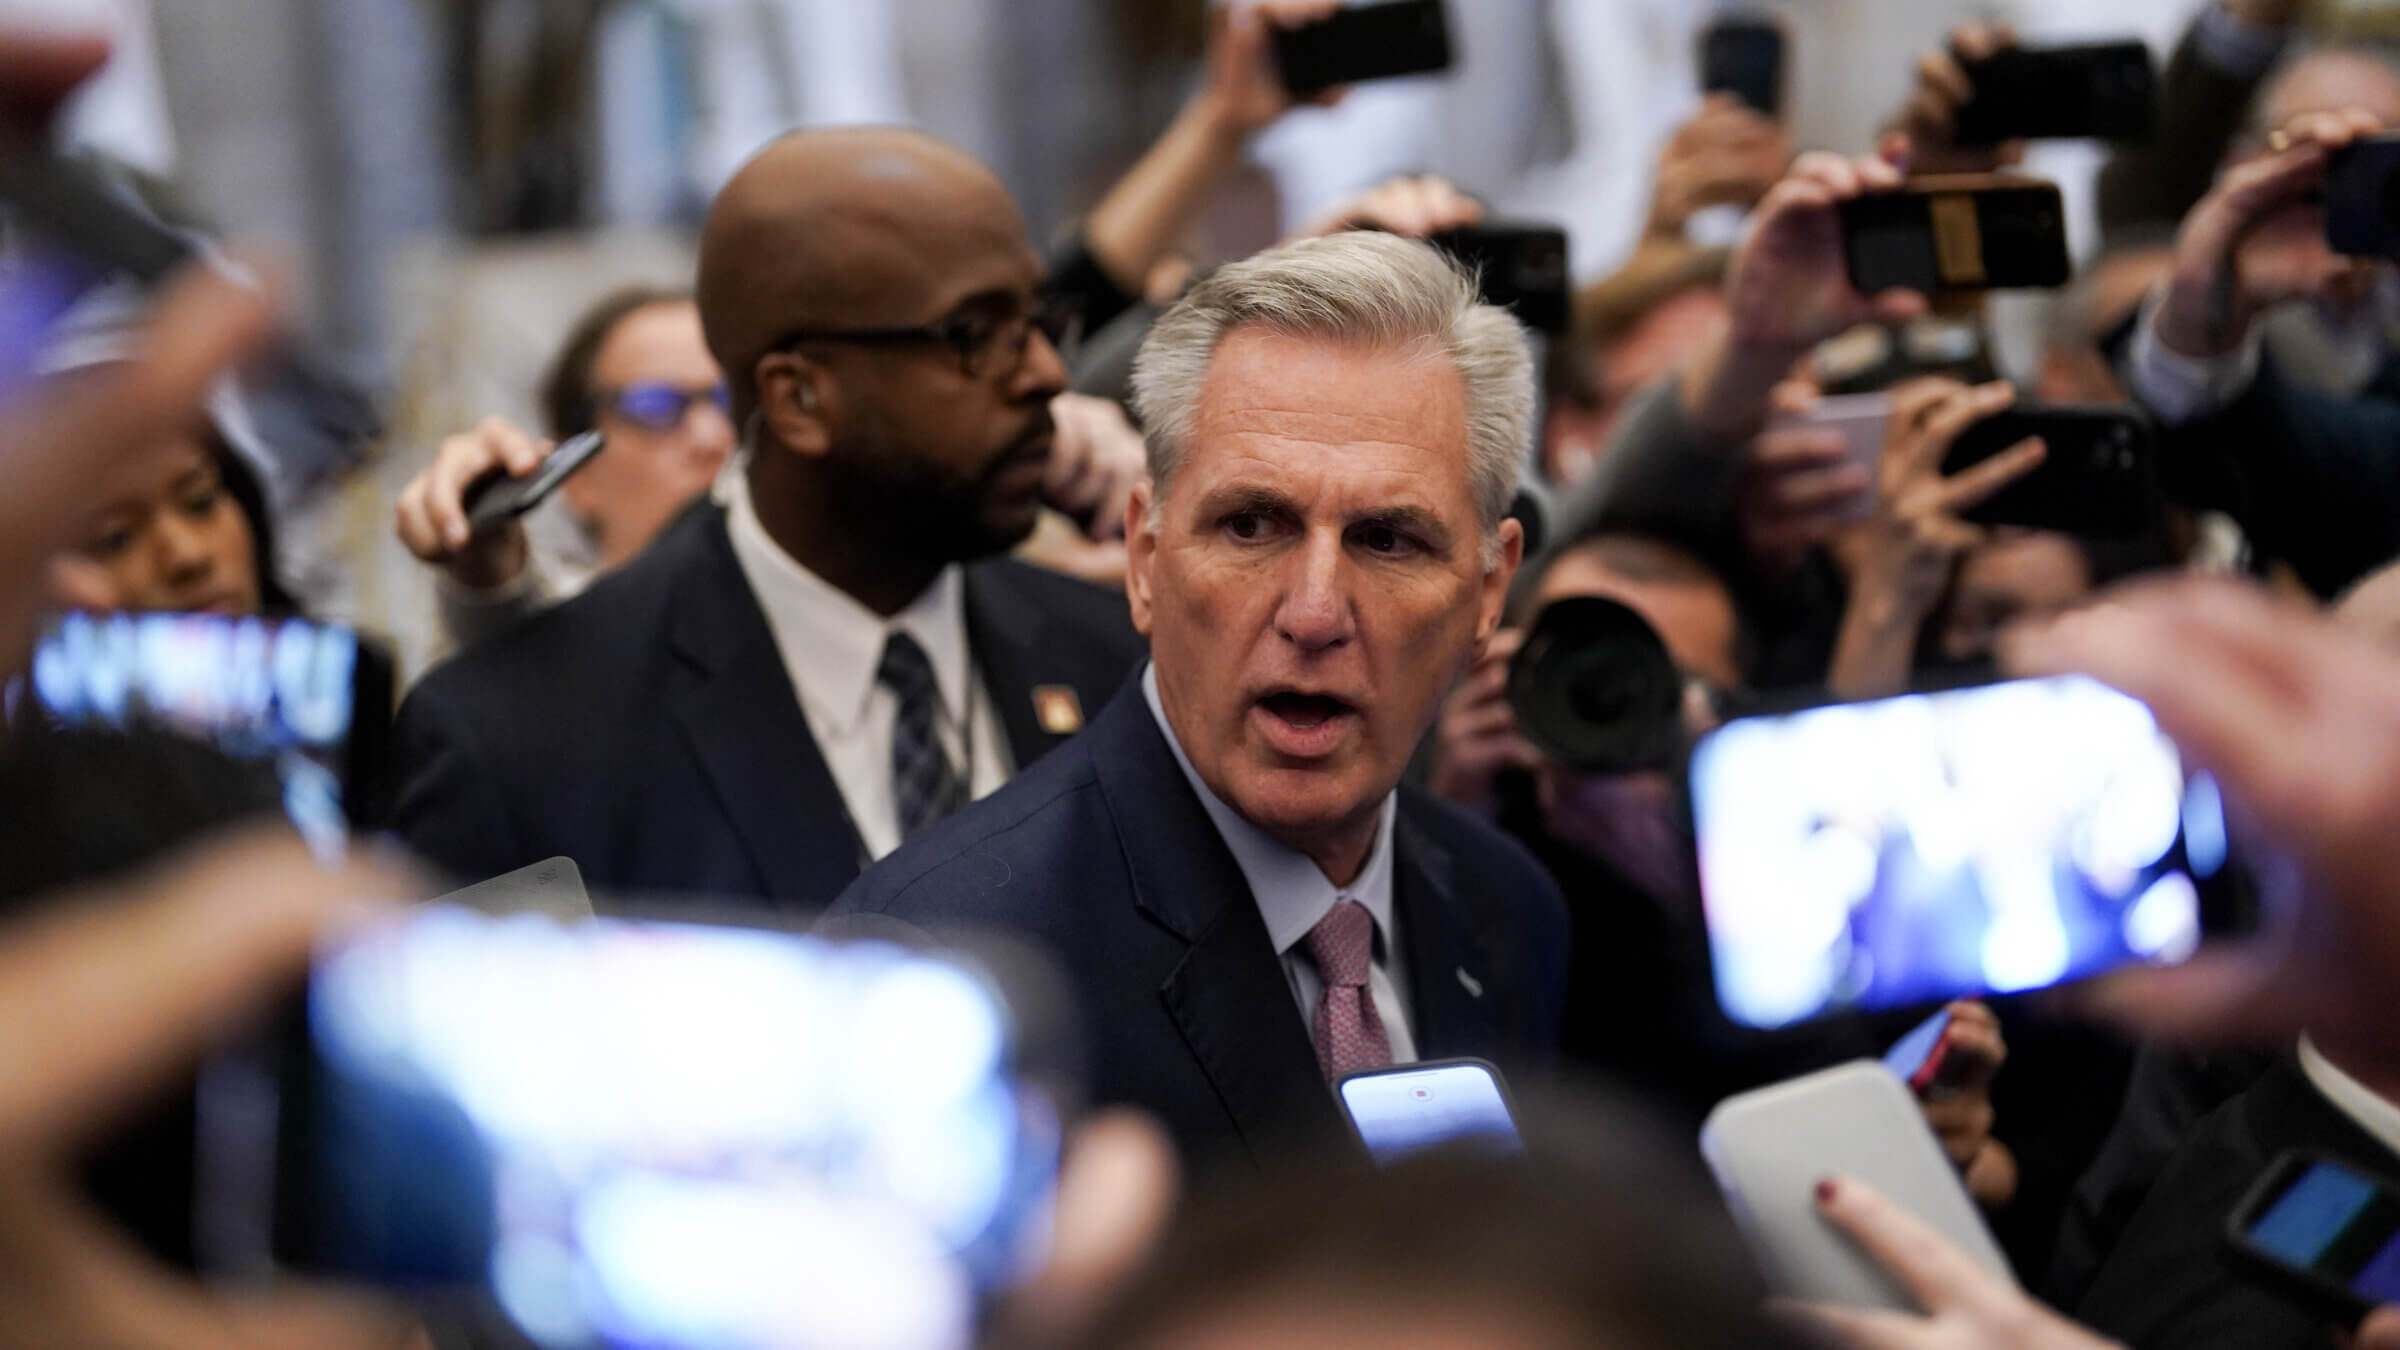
(1247, 900)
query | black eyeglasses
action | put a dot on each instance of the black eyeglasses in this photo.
(653, 406)
(990, 332)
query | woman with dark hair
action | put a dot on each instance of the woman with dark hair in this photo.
(184, 527)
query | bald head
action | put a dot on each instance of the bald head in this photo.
(845, 228)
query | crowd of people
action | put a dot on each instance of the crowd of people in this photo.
(1167, 617)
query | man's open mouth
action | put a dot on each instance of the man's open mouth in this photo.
(1305, 711)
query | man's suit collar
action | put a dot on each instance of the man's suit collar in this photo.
(743, 721)
(1448, 956)
(1015, 647)
(1228, 997)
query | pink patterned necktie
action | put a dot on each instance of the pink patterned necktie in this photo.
(1350, 1033)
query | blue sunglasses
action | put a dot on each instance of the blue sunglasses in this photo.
(662, 407)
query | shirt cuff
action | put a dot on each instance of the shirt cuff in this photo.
(2178, 388)
(2241, 50)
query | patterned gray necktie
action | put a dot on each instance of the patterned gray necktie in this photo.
(925, 784)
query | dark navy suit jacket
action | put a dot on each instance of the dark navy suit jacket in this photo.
(648, 730)
(1103, 856)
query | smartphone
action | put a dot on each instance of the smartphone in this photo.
(312, 700)
(1364, 42)
(2104, 91)
(1861, 420)
(1962, 232)
(1742, 55)
(1402, 1110)
(1916, 1058)
(627, 1132)
(2322, 1233)
(2099, 476)
(2362, 198)
(498, 498)
(1522, 268)
(1770, 1147)
(1914, 850)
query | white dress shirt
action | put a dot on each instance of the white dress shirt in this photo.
(831, 645)
(1292, 895)
(2370, 1111)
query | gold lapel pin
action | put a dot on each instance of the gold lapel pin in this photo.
(1057, 708)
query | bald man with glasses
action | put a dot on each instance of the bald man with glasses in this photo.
(789, 683)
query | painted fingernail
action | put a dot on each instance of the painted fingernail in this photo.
(1826, 1190)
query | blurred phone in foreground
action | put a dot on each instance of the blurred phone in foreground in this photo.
(311, 700)
(2321, 1233)
(1408, 1107)
(2098, 474)
(2104, 90)
(1364, 42)
(1916, 1058)
(498, 499)
(1770, 1147)
(1918, 849)
(625, 1132)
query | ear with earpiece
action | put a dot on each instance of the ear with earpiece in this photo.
(792, 408)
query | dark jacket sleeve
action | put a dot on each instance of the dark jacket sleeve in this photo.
(1078, 278)
(449, 807)
(2313, 481)
(1658, 476)
(2200, 108)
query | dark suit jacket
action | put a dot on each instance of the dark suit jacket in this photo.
(1104, 856)
(648, 729)
(2168, 1285)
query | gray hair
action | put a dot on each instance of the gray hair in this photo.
(1361, 286)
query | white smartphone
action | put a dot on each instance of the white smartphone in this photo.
(1861, 419)
(1913, 850)
(1769, 1148)
(1400, 1110)
(553, 886)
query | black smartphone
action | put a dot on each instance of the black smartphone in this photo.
(1364, 42)
(2098, 477)
(1967, 232)
(2321, 1232)
(1912, 850)
(2362, 198)
(497, 499)
(2106, 91)
(634, 1132)
(1410, 1107)
(1523, 268)
(311, 701)
(1742, 55)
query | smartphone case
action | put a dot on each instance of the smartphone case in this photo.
(1769, 1148)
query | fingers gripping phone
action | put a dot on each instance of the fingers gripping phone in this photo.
(2098, 474)
(1400, 1110)
(1964, 232)
(2321, 1232)
(499, 499)
(1364, 42)
(647, 1133)
(1918, 849)
(1769, 1148)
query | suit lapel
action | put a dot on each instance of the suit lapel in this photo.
(1455, 990)
(1228, 996)
(1008, 641)
(744, 724)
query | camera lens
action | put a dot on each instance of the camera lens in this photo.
(1595, 689)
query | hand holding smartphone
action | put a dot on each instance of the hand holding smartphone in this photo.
(499, 499)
